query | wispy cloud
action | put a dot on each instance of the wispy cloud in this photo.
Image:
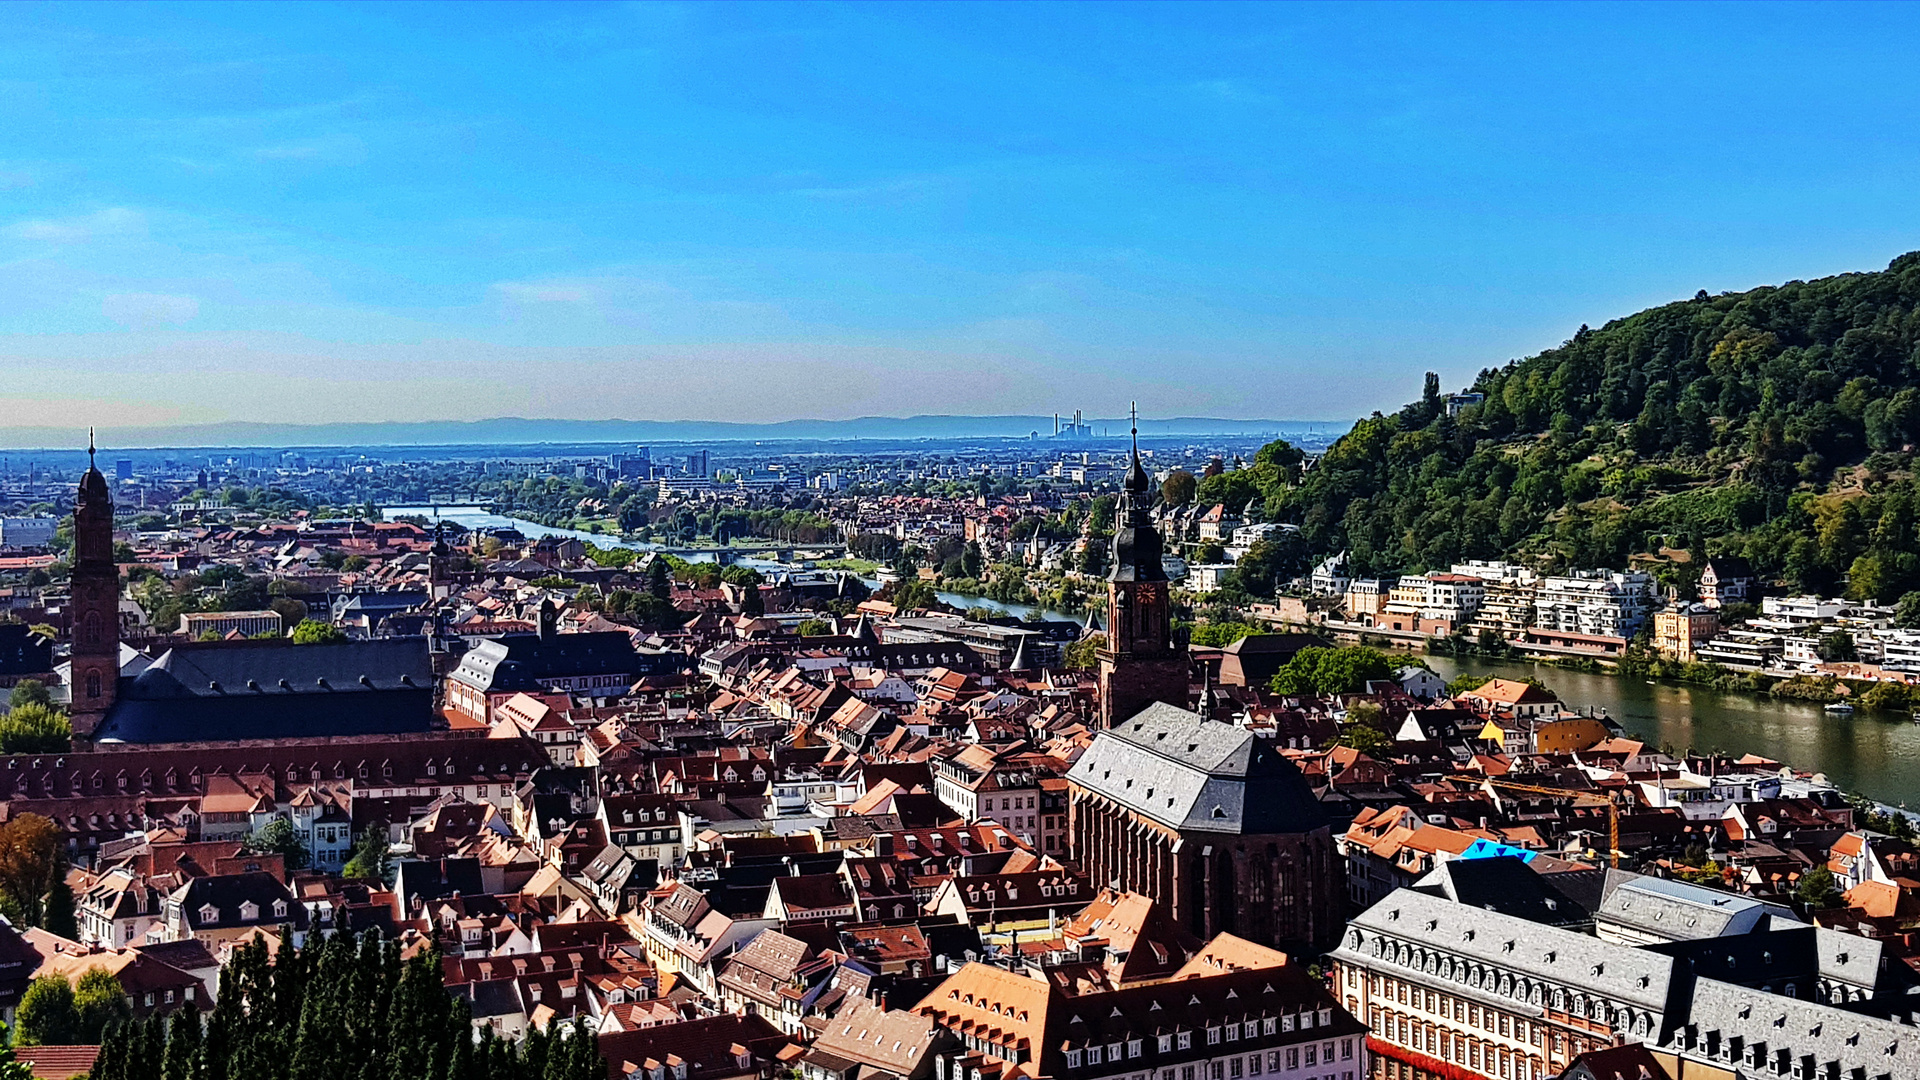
(322, 150)
(899, 189)
(150, 310)
(112, 221)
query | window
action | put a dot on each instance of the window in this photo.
(149, 999)
(1253, 1064)
(1235, 1070)
(1134, 1047)
(1166, 1044)
(1313, 1055)
(279, 909)
(1113, 1052)
(169, 997)
(1093, 1055)
(1213, 1035)
(1268, 1025)
(1185, 1039)
(1293, 1057)
(1346, 1049)
(1073, 1059)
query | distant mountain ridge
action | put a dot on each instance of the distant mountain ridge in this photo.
(512, 430)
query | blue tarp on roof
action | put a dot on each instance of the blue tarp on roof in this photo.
(1488, 849)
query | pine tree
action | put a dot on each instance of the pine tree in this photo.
(60, 917)
(182, 1059)
(111, 1063)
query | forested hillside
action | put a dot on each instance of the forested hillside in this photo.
(1777, 424)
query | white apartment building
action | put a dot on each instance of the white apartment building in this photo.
(1804, 609)
(1604, 603)
(1510, 591)
(1455, 597)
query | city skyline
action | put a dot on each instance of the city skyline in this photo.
(767, 213)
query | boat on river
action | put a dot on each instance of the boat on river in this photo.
(1840, 708)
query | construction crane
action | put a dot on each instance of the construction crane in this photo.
(1613, 811)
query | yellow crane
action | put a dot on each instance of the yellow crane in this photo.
(1595, 799)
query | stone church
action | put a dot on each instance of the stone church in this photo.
(1206, 817)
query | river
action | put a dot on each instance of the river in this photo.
(479, 517)
(1873, 753)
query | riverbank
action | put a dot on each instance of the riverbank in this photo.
(1875, 754)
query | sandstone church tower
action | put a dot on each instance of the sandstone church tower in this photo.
(95, 603)
(1141, 663)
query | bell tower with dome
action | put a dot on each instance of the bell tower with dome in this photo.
(95, 604)
(1141, 663)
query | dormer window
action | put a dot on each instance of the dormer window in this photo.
(249, 911)
(279, 909)
(209, 913)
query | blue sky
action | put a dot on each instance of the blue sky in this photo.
(320, 213)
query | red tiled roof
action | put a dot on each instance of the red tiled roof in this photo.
(58, 1062)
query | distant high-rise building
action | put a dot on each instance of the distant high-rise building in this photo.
(123, 469)
(699, 463)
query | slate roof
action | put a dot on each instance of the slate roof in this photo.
(226, 892)
(520, 661)
(267, 716)
(1505, 884)
(1679, 911)
(228, 670)
(275, 690)
(23, 652)
(1198, 775)
(1506, 944)
(1776, 1025)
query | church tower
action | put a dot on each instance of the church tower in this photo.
(439, 560)
(1141, 663)
(95, 603)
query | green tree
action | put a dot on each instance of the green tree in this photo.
(1838, 646)
(1365, 739)
(1082, 655)
(32, 858)
(292, 612)
(1178, 488)
(46, 1015)
(30, 692)
(370, 859)
(279, 837)
(1818, 889)
(1345, 670)
(34, 729)
(314, 632)
(11, 1067)
(815, 628)
(98, 1001)
(60, 918)
(914, 594)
